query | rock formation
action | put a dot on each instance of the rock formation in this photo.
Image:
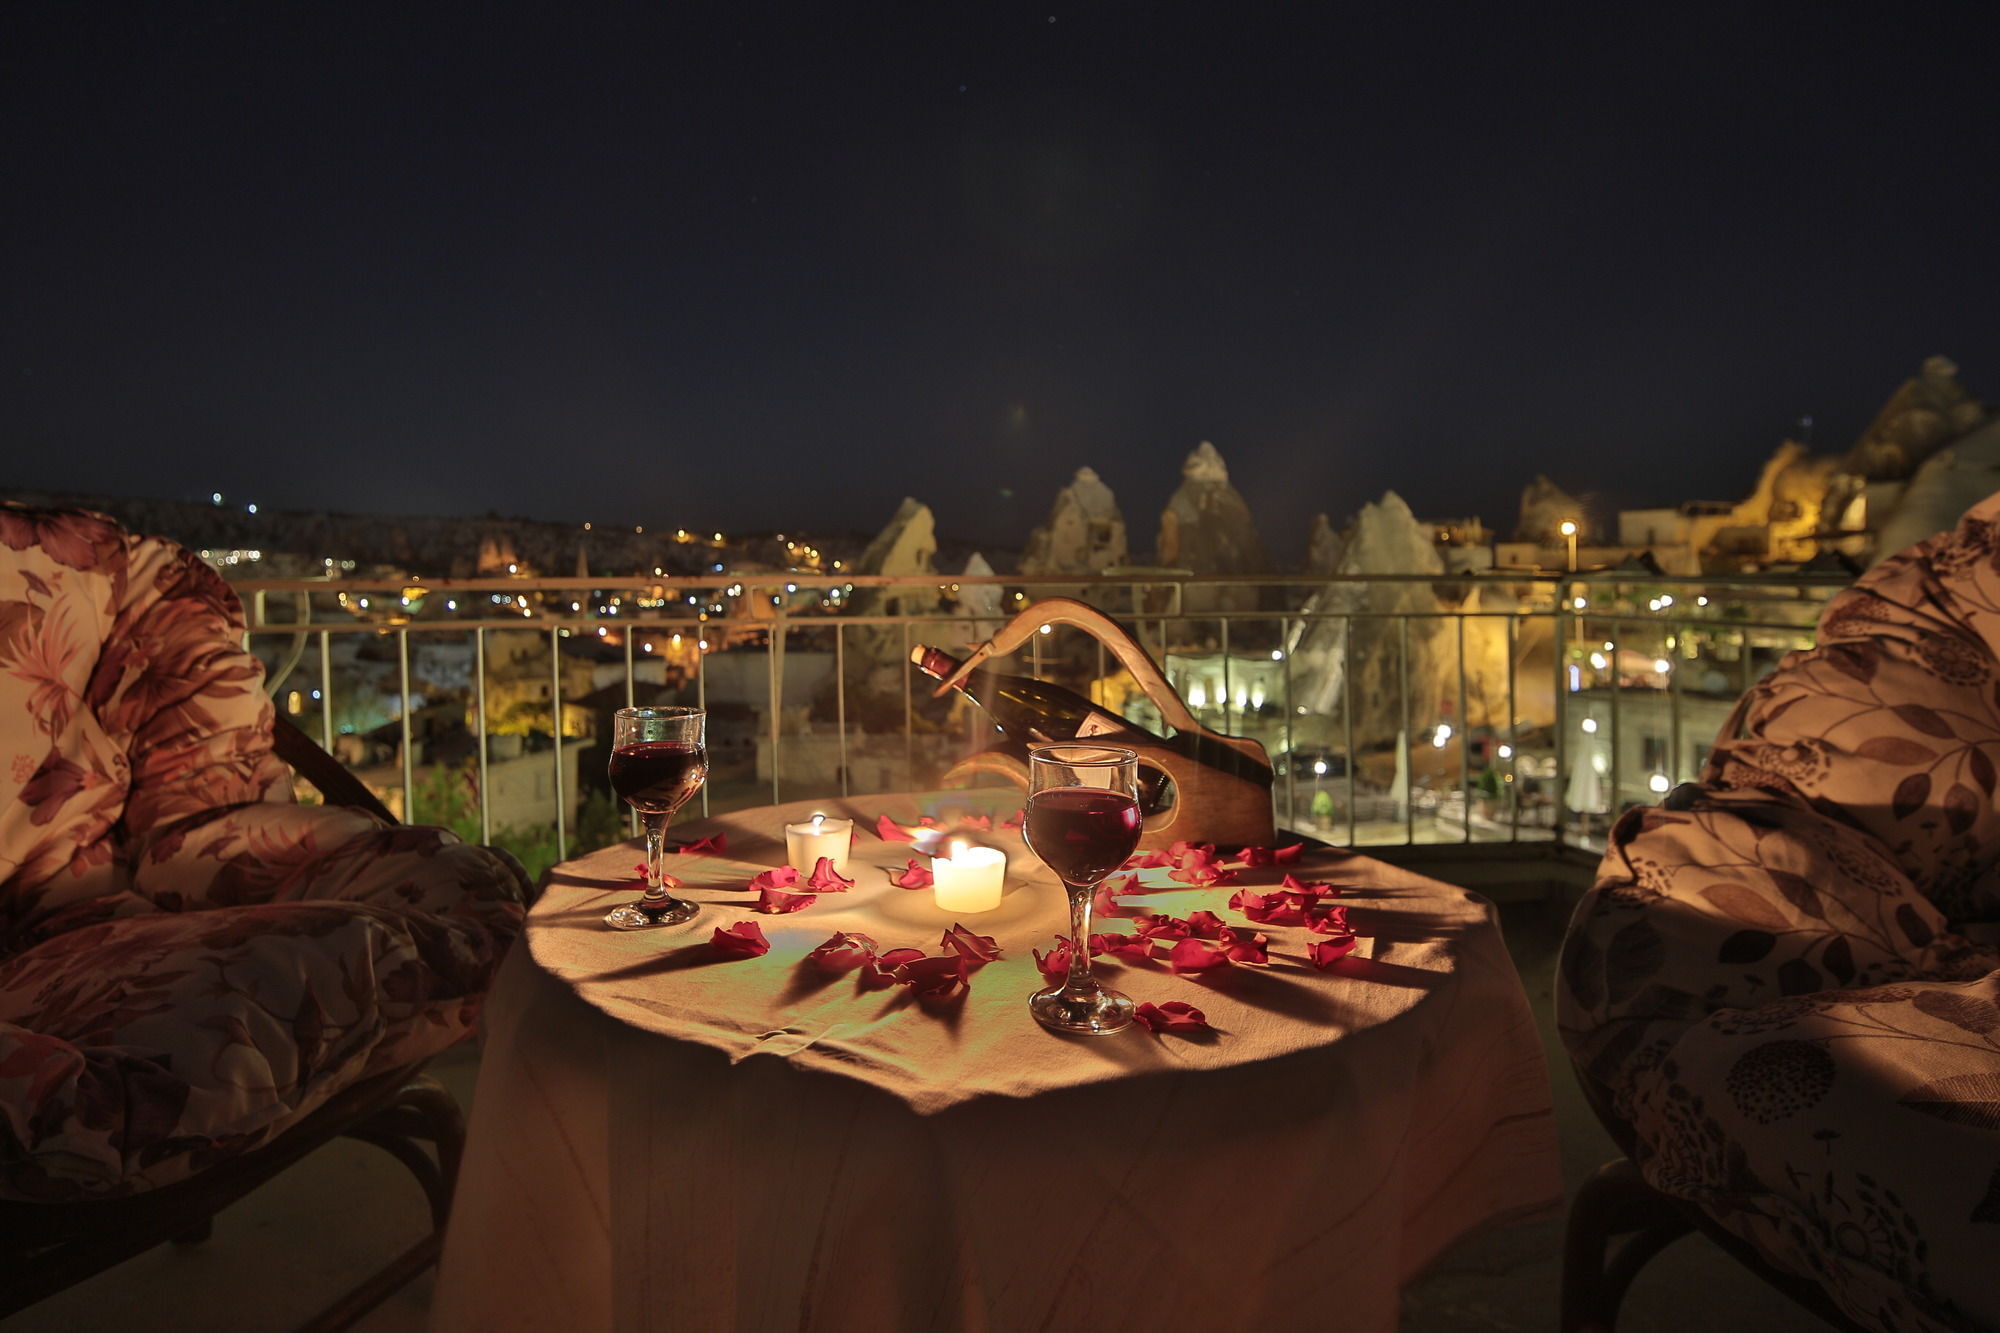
(1085, 533)
(1544, 506)
(981, 601)
(1920, 418)
(1386, 538)
(1206, 527)
(1950, 482)
(1323, 547)
(876, 653)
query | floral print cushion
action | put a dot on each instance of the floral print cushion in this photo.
(1786, 984)
(189, 963)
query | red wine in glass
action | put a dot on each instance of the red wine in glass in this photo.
(657, 777)
(1083, 820)
(659, 758)
(1083, 833)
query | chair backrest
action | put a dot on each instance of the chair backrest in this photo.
(1891, 724)
(127, 703)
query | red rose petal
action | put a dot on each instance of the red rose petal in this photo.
(825, 879)
(1325, 953)
(775, 901)
(1173, 1016)
(1160, 926)
(1288, 855)
(888, 830)
(878, 973)
(1115, 944)
(745, 939)
(715, 842)
(933, 978)
(915, 876)
(1269, 909)
(1247, 947)
(1015, 820)
(1206, 925)
(1192, 955)
(1332, 921)
(979, 948)
(783, 877)
(1293, 884)
(1147, 861)
(1055, 963)
(981, 822)
(666, 881)
(843, 951)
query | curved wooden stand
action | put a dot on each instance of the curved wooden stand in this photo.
(1211, 805)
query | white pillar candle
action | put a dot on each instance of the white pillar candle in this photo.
(969, 879)
(819, 836)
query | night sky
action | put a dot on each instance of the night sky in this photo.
(755, 266)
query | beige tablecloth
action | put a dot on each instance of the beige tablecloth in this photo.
(664, 1140)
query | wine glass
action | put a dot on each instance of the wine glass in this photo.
(659, 757)
(1083, 821)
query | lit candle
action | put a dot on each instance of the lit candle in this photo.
(969, 879)
(819, 836)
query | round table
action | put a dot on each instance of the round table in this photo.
(662, 1139)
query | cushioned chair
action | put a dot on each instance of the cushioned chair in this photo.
(199, 979)
(1782, 992)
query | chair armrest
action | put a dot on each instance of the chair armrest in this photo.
(326, 773)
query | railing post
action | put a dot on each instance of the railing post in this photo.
(1464, 738)
(326, 691)
(555, 728)
(409, 766)
(479, 699)
(1560, 630)
(1408, 762)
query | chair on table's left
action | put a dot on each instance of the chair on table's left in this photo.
(200, 981)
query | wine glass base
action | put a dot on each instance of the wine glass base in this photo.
(1096, 1013)
(642, 915)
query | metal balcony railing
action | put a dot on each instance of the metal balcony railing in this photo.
(1398, 709)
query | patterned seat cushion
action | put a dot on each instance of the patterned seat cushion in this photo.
(1786, 984)
(189, 962)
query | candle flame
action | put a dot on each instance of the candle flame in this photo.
(957, 845)
(817, 820)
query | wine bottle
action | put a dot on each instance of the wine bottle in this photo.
(1034, 711)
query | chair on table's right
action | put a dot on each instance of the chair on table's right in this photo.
(1783, 996)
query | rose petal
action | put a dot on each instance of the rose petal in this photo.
(1269, 909)
(714, 842)
(888, 830)
(1116, 944)
(1173, 1016)
(775, 901)
(783, 877)
(1331, 921)
(1055, 963)
(1015, 820)
(825, 879)
(1160, 926)
(1289, 854)
(1103, 904)
(915, 876)
(933, 978)
(843, 951)
(1118, 884)
(745, 939)
(1325, 953)
(1182, 852)
(666, 881)
(980, 948)
(1192, 955)
(983, 823)
(1247, 947)
(1206, 925)
(1201, 872)
(878, 973)
(1147, 861)
(1313, 889)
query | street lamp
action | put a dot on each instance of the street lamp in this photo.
(1568, 531)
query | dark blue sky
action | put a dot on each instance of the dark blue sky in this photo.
(777, 265)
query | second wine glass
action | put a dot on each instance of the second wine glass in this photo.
(1083, 821)
(659, 758)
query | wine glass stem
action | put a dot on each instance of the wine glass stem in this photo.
(656, 847)
(1079, 979)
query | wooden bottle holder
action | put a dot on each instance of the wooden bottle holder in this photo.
(1210, 805)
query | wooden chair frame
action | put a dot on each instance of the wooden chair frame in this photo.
(46, 1248)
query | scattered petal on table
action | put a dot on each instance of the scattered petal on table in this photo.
(1247, 946)
(843, 951)
(1206, 925)
(889, 830)
(1015, 820)
(783, 877)
(933, 978)
(1116, 944)
(1332, 921)
(1147, 861)
(1200, 868)
(825, 879)
(979, 948)
(983, 823)
(1173, 1016)
(745, 939)
(878, 973)
(1192, 955)
(1312, 889)
(915, 876)
(1325, 953)
(1103, 903)
(1160, 926)
(775, 901)
(1181, 852)
(1055, 963)
(1271, 856)
(666, 881)
(714, 842)
(1269, 909)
